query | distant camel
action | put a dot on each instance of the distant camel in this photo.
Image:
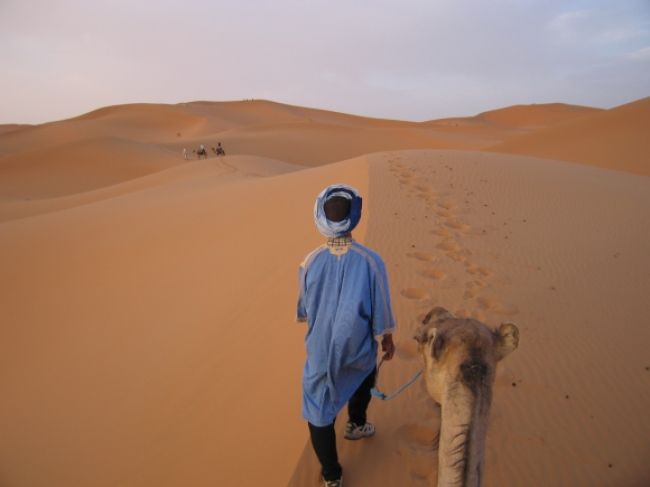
(218, 150)
(202, 153)
(460, 357)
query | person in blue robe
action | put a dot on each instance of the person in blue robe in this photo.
(344, 298)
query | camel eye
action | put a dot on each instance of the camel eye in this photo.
(438, 345)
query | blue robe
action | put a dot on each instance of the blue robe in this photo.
(345, 300)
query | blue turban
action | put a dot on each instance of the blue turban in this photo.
(337, 229)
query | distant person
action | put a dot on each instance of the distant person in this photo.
(219, 150)
(345, 300)
(185, 156)
(202, 152)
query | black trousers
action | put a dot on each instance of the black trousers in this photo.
(323, 438)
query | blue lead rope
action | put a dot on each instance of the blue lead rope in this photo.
(387, 397)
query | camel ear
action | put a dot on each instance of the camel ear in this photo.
(425, 333)
(507, 337)
(437, 314)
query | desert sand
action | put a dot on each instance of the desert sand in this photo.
(148, 332)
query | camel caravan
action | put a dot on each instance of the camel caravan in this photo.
(202, 153)
(460, 357)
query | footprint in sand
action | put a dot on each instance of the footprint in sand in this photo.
(414, 293)
(433, 273)
(478, 271)
(475, 284)
(443, 213)
(428, 198)
(447, 205)
(449, 245)
(441, 232)
(458, 225)
(415, 443)
(423, 256)
(489, 303)
(458, 256)
(454, 250)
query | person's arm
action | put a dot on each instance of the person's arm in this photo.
(383, 321)
(301, 311)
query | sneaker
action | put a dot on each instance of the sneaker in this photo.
(333, 483)
(354, 431)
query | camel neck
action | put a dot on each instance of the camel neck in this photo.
(462, 438)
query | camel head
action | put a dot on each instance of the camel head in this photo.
(460, 357)
(462, 352)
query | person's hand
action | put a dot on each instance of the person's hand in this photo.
(387, 346)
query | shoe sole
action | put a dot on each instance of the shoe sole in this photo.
(355, 438)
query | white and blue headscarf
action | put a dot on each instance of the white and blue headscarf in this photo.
(332, 229)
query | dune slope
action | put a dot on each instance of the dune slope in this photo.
(615, 138)
(80, 166)
(149, 338)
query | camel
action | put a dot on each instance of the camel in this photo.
(460, 357)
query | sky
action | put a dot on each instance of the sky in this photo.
(403, 59)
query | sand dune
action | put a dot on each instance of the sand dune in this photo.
(293, 134)
(214, 172)
(140, 309)
(263, 112)
(538, 115)
(517, 119)
(12, 128)
(313, 144)
(615, 138)
(138, 123)
(77, 167)
(148, 333)
(266, 129)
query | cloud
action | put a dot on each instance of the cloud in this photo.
(642, 54)
(603, 26)
(569, 24)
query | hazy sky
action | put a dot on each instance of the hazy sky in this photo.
(408, 59)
